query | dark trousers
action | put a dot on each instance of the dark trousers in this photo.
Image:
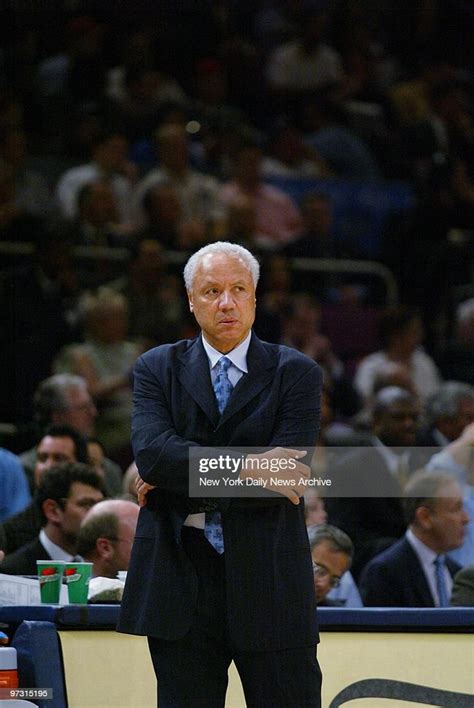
(192, 671)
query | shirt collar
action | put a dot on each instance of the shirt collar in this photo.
(425, 554)
(54, 551)
(391, 458)
(238, 356)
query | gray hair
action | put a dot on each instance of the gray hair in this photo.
(445, 403)
(51, 396)
(229, 249)
(337, 539)
(465, 311)
(422, 489)
(389, 395)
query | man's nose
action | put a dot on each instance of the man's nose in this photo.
(226, 300)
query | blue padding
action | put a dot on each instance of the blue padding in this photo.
(17, 613)
(356, 619)
(378, 618)
(361, 210)
(40, 662)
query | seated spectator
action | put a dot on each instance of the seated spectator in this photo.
(198, 193)
(456, 459)
(140, 92)
(401, 332)
(35, 298)
(411, 99)
(456, 360)
(17, 224)
(371, 478)
(59, 444)
(463, 588)
(65, 494)
(289, 156)
(301, 330)
(106, 536)
(318, 239)
(32, 194)
(138, 52)
(332, 551)
(105, 361)
(64, 399)
(165, 221)
(344, 153)
(278, 217)
(98, 220)
(448, 412)
(155, 311)
(14, 489)
(388, 374)
(306, 63)
(415, 571)
(108, 164)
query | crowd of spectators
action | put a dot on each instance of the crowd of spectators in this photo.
(130, 138)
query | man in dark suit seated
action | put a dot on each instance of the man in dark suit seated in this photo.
(60, 443)
(371, 478)
(415, 572)
(448, 412)
(216, 580)
(65, 495)
(332, 551)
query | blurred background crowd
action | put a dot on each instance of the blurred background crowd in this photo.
(334, 138)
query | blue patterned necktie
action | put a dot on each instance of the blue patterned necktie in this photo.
(222, 389)
(441, 582)
(222, 385)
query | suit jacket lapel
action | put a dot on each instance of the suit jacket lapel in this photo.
(261, 367)
(195, 376)
(418, 579)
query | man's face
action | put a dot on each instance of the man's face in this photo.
(80, 413)
(81, 498)
(453, 427)
(398, 424)
(223, 300)
(447, 519)
(331, 567)
(52, 451)
(123, 545)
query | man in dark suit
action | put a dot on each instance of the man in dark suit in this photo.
(65, 495)
(60, 443)
(368, 482)
(414, 572)
(254, 603)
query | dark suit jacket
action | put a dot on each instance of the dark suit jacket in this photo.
(375, 522)
(463, 588)
(20, 529)
(23, 561)
(395, 578)
(269, 581)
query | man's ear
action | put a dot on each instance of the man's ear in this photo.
(190, 300)
(52, 511)
(104, 548)
(423, 517)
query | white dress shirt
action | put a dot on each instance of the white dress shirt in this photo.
(238, 368)
(427, 556)
(56, 552)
